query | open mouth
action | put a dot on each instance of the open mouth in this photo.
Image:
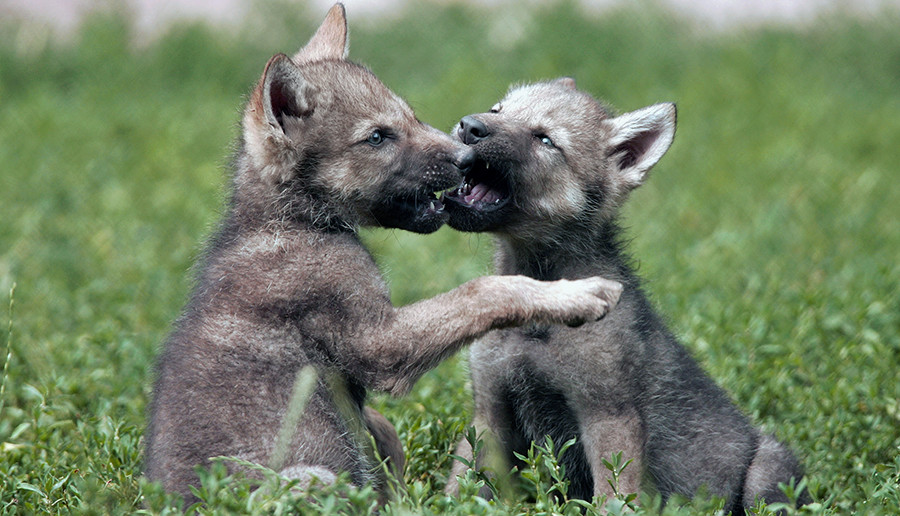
(483, 189)
(428, 213)
(421, 212)
(421, 205)
(432, 204)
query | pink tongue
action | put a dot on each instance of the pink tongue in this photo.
(481, 192)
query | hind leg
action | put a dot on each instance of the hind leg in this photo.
(494, 426)
(463, 450)
(387, 442)
(493, 457)
(773, 463)
(308, 474)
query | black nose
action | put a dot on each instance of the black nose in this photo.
(472, 131)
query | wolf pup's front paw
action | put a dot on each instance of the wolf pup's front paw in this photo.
(605, 296)
(587, 300)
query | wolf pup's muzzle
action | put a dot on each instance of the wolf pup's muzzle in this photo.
(485, 190)
(422, 210)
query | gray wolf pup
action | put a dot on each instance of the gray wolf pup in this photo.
(286, 283)
(552, 167)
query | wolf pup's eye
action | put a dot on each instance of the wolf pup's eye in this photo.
(376, 138)
(545, 140)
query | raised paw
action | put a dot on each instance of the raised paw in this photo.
(603, 294)
(585, 300)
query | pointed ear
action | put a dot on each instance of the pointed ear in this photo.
(567, 82)
(637, 140)
(282, 95)
(330, 42)
(281, 92)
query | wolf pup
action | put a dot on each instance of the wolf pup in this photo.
(286, 283)
(552, 168)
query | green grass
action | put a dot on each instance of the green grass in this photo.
(769, 235)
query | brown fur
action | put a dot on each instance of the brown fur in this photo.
(552, 168)
(285, 283)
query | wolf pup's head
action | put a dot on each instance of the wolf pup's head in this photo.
(548, 156)
(326, 143)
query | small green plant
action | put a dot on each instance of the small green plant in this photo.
(477, 475)
(9, 332)
(304, 384)
(545, 478)
(620, 500)
(543, 474)
(886, 484)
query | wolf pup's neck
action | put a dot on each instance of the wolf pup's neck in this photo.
(291, 204)
(579, 254)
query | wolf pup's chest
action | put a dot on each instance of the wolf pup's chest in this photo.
(535, 346)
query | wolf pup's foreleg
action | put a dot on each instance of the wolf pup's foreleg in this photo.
(413, 339)
(603, 435)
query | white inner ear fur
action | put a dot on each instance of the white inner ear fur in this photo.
(639, 139)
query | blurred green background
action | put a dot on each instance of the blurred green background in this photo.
(769, 235)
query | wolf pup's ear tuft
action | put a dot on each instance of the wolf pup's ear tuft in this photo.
(330, 42)
(637, 140)
(566, 82)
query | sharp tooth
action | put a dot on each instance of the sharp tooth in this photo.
(470, 201)
(487, 166)
(431, 206)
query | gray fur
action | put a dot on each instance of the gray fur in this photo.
(286, 283)
(552, 168)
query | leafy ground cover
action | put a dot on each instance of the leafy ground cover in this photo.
(769, 235)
